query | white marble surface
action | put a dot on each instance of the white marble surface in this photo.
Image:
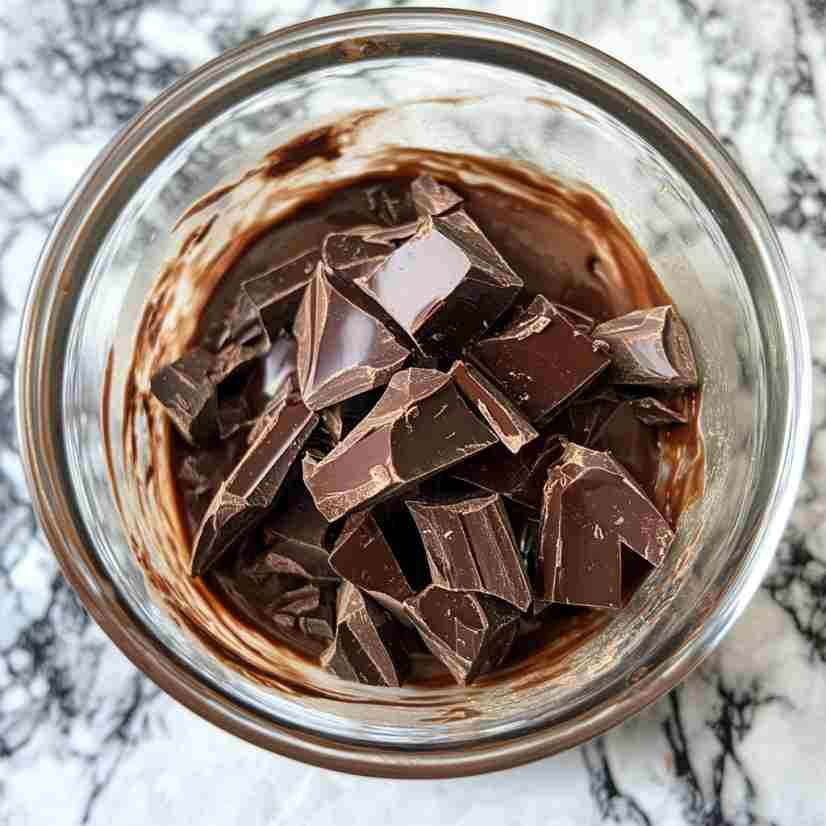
(85, 739)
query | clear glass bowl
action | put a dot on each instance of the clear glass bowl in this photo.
(528, 94)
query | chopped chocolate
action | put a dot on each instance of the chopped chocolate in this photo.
(631, 442)
(363, 557)
(581, 321)
(592, 510)
(504, 418)
(277, 293)
(342, 350)
(354, 252)
(186, 389)
(655, 413)
(444, 286)
(432, 198)
(368, 646)
(584, 416)
(471, 547)
(419, 427)
(650, 347)
(392, 203)
(234, 414)
(540, 360)
(470, 633)
(255, 482)
(298, 538)
(519, 477)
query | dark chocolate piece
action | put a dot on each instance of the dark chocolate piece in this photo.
(583, 417)
(419, 427)
(432, 198)
(631, 442)
(581, 321)
(277, 293)
(354, 253)
(234, 414)
(650, 348)
(298, 538)
(519, 477)
(368, 646)
(444, 286)
(363, 557)
(540, 360)
(342, 350)
(503, 417)
(186, 389)
(470, 633)
(471, 547)
(655, 413)
(392, 203)
(592, 510)
(252, 487)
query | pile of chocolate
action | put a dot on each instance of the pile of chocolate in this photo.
(444, 456)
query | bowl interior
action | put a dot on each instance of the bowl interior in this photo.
(453, 86)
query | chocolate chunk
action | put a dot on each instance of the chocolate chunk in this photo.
(277, 293)
(631, 442)
(583, 417)
(363, 557)
(519, 477)
(353, 253)
(368, 645)
(444, 286)
(402, 535)
(581, 321)
(470, 633)
(419, 427)
(656, 414)
(592, 510)
(471, 547)
(392, 203)
(234, 414)
(651, 348)
(189, 394)
(342, 350)
(504, 418)
(255, 482)
(432, 198)
(540, 360)
(298, 538)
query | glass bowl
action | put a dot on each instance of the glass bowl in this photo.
(462, 82)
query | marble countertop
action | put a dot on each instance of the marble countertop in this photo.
(743, 741)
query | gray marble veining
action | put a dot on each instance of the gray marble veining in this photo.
(82, 732)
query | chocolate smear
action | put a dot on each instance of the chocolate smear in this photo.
(444, 286)
(471, 546)
(342, 350)
(470, 633)
(419, 427)
(650, 348)
(540, 360)
(368, 646)
(592, 510)
(255, 482)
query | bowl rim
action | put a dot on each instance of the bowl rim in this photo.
(66, 537)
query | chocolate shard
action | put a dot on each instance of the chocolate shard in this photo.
(432, 198)
(540, 360)
(419, 427)
(471, 546)
(520, 477)
(581, 420)
(186, 389)
(592, 510)
(503, 417)
(368, 646)
(392, 204)
(581, 321)
(470, 633)
(650, 348)
(342, 350)
(254, 484)
(277, 293)
(363, 557)
(655, 413)
(444, 286)
(355, 253)
(298, 538)
(277, 602)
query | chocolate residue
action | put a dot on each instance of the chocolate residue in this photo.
(299, 193)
